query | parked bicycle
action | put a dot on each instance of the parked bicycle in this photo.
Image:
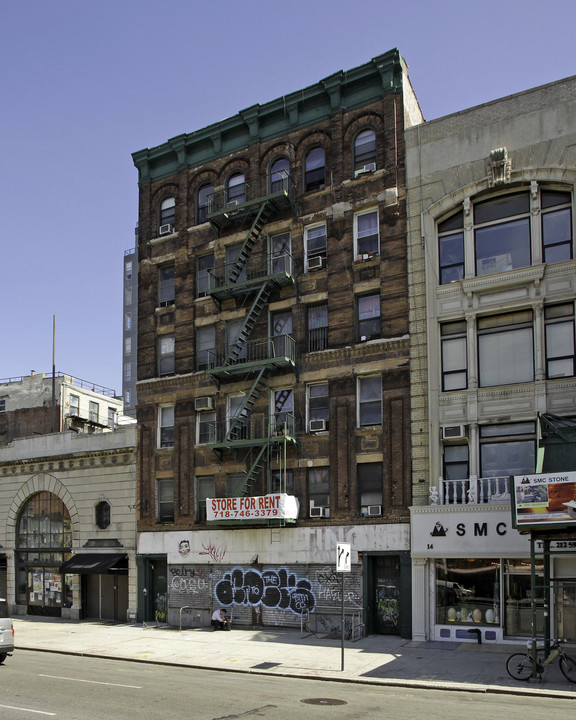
(520, 666)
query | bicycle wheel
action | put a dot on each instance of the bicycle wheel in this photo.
(568, 668)
(519, 666)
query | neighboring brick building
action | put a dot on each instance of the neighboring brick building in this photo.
(273, 358)
(493, 290)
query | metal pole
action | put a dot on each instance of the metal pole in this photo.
(342, 633)
(533, 603)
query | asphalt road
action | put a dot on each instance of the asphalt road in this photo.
(43, 685)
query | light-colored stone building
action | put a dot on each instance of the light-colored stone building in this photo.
(67, 500)
(492, 290)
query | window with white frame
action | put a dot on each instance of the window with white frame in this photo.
(236, 188)
(365, 151)
(281, 253)
(318, 406)
(111, 417)
(128, 321)
(165, 494)
(368, 317)
(166, 285)
(369, 478)
(506, 349)
(283, 412)
(237, 424)
(281, 331)
(315, 246)
(128, 295)
(366, 234)
(205, 347)
(128, 345)
(166, 346)
(369, 400)
(166, 426)
(315, 169)
(451, 248)
(560, 348)
(279, 175)
(454, 356)
(168, 212)
(93, 411)
(455, 474)
(556, 225)
(317, 318)
(205, 276)
(127, 372)
(74, 405)
(205, 488)
(128, 269)
(318, 481)
(507, 449)
(505, 231)
(206, 425)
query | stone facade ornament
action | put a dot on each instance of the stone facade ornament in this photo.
(500, 167)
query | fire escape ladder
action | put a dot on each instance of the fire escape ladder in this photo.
(251, 239)
(250, 321)
(255, 470)
(239, 423)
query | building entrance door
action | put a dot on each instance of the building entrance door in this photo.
(386, 588)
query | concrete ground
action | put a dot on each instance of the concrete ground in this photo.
(380, 659)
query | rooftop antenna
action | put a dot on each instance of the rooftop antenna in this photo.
(53, 418)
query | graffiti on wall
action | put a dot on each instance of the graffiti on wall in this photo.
(271, 588)
(329, 592)
(215, 553)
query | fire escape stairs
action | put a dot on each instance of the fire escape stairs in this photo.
(250, 321)
(250, 241)
(239, 421)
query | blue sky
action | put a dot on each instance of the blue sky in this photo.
(85, 84)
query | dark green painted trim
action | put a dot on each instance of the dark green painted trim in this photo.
(405, 590)
(345, 90)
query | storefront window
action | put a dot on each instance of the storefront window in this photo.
(44, 541)
(517, 598)
(468, 592)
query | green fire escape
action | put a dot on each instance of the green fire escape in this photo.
(256, 272)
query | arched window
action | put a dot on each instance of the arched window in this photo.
(203, 203)
(236, 188)
(279, 174)
(43, 543)
(315, 169)
(365, 152)
(167, 218)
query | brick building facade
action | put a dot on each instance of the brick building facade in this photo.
(273, 358)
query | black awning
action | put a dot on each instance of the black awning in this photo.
(96, 563)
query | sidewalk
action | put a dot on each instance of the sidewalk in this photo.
(378, 659)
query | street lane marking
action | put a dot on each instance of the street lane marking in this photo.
(92, 682)
(38, 712)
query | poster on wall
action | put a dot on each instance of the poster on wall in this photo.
(543, 501)
(264, 507)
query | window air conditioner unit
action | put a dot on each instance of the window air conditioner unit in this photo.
(315, 263)
(370, 168)
(204, 403)
(317, 425)
(319, 511)
(453, 432)
(374, 510)
(165, 229)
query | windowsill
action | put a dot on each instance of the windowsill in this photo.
(198, 226)
(364, 176)
(161, 238)
(364, 257)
